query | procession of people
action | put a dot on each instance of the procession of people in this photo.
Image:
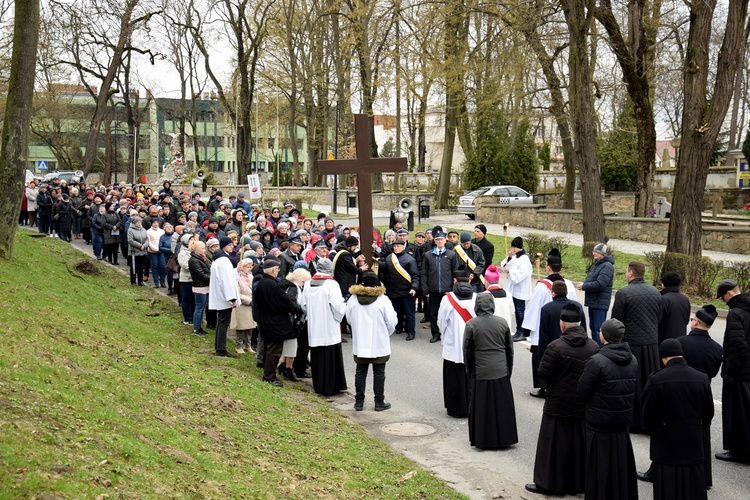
(292, 290)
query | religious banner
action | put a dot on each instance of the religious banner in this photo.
(253, 185)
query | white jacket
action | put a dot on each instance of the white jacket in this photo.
(542, 296)
(223, 286)
(372, 324)
(324, 305)
(518, 282)
(452, 326)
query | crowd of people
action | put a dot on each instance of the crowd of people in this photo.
(292, 289)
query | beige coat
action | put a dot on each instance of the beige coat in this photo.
(242, 316)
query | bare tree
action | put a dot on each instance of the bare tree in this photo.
(703, 116)
(95, 36)
(15, 133)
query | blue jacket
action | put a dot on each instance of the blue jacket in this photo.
(165, 245)
(598, 284)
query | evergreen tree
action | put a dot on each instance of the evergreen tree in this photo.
(523, 169)
(618, 153)
(488, 163)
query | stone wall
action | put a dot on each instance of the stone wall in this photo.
(649, 230)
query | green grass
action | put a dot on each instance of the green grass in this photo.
(104, 391)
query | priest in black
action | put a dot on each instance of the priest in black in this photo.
(560, 465)
(607, 386)
(677, 404)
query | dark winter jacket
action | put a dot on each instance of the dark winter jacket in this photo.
(488, 250)
(598, 284)
(701, 352)
(287, 259)
(737, 339)
(549, 321)
(96, 224)
(200, 270)
(267, 242)
(274, 310)
(475, 254)
(395, 284)
(437, 270)
(64, 216)
(561, 368)
(607, 387)
(44, 203)
(346, 272)
(299, 320)
(110, 222)
(675, 313)
(676, 405)
(638, 306)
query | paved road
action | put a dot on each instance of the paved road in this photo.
(414, 387)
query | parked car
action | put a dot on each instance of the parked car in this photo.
(65, 175)
(505, 195)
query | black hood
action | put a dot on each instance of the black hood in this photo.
(463, 290)
(619, 353)
(741, 301)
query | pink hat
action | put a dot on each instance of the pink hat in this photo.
(492, 274)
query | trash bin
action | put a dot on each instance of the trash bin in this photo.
(424, 211)
(351, 200)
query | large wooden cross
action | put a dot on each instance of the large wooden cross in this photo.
(364, 166)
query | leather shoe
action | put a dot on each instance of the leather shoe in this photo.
(541, 393)
(226, 354)
(275, 383)
(424, 320)
(727, 457)
(385, 405)
(645, 476)
(359, 405)
(304, 375)
(434, 339)
(410, 337)
(532, 487)
(518, 338)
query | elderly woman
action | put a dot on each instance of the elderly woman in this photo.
(200, 273)
(292, 285)
(137, 249)
(186, 280)
(242, 321)
(488, 356)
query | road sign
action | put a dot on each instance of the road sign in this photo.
(42, 165)
(743, 175)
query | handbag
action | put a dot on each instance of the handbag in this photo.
(173, 265)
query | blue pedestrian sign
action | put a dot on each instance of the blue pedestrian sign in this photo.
(42, 165)
(743, 175)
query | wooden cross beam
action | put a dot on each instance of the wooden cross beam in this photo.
(364, 166)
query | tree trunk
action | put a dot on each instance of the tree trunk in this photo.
(702, 118)
(15, 133)
(578, 23)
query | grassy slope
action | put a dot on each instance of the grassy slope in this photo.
(103, 390)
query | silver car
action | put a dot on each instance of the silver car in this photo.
(505, 195)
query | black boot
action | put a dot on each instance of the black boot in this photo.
(289, 375)
(378, 387)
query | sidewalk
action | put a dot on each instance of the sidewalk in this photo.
(463, 223)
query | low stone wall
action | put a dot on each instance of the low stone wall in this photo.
(649, 230)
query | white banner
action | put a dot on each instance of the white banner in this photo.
(253, 183)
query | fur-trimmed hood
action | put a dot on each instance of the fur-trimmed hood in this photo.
(366, 294)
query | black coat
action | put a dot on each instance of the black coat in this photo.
(675, 313)
(737, 339)
(200, 270)
(701, 352)
(561, 367)
(638, 306)
(64, 215)
(346, 272)
(110, 222)
(396, 286)
(274, 310)
(549, 321)
(607, 387)
(287, 259)
(676, 405)
(488, 250)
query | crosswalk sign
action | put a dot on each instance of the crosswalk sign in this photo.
(42, 165)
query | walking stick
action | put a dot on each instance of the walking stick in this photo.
(505, 234)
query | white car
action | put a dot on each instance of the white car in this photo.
(505, 195)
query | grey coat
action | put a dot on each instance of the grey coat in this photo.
(137, 238)
(488, 347)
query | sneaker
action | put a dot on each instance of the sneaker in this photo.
(240, 350)
(199, 333)
(275, 382)
(184, 322)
